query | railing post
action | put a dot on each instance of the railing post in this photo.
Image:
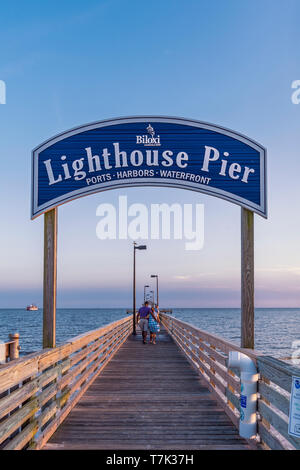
(3, 352)
(14, 346)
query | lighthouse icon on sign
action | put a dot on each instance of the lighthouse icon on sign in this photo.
(149, 139)
(150, 130)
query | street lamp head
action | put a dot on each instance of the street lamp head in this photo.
(140, 247)
(154, 275)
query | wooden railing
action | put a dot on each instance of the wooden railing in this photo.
(166, 310)
(274, 402)
(208, 353)
(38, 391)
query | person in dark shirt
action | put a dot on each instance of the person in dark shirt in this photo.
(142, 320)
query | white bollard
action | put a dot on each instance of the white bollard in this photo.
(248, 398)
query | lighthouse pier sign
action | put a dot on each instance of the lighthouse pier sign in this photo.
(149, 151)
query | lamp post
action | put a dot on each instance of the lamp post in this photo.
(135, 247)
(156, 276)
(145, 293)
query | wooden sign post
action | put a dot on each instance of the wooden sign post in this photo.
(247, 278)
(50, 275)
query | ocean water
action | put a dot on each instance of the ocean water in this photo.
(275, 329)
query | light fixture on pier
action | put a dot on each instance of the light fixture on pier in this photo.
(135, 247)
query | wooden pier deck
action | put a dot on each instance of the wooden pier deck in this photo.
(147, 397)
(104, 389)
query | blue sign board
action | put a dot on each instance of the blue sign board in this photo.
(149, 151)
(243, 401)
(294, 414)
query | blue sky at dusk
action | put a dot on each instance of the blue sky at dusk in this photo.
(228, 62)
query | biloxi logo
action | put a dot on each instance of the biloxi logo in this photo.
(151, 141)
(2, 92)
(296, 94)
(177, 221)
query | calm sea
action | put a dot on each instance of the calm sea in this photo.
(275, 329)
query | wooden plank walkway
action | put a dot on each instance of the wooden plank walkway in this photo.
(148, 397)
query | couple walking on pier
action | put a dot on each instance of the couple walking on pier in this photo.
(148, 319)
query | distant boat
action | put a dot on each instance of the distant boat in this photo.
(32, 307)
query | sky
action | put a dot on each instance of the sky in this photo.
(229, 62)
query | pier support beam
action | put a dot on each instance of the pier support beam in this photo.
(50, 274)
(247, 278)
